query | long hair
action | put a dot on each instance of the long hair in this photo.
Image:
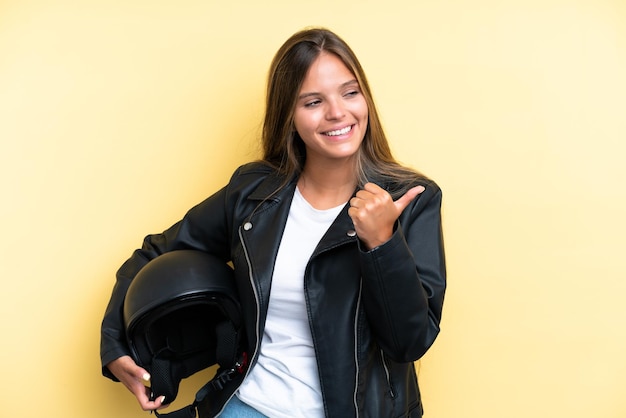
(282, 147)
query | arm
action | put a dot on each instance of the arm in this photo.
(206, 227)
(203, 228)
(404, 279)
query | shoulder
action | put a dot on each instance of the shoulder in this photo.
(255, 168)
(256, 180)
(252, 172)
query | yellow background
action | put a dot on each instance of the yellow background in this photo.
(117, 116)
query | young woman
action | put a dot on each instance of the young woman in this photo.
(337, 251)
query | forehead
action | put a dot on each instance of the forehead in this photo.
(327, 71)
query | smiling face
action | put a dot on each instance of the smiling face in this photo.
(331, 113)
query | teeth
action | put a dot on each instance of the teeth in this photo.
(339, 131)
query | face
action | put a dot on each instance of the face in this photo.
(331, 113)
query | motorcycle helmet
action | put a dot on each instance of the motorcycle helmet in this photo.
(182, 315)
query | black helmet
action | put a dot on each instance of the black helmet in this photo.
(182, 315)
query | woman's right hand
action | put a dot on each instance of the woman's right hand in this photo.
(135, 379)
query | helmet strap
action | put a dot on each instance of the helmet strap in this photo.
(226, 354)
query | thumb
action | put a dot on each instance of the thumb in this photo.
(411, 194)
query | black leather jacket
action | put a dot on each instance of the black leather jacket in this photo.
(372, 313)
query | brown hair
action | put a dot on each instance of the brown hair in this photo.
(282, 147)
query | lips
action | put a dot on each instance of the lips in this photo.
(339, 132)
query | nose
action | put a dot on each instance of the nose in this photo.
(335, 109)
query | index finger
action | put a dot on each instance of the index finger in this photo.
(373, 188)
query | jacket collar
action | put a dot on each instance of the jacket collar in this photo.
(268, 188)
(340, 232)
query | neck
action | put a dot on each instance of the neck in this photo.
(327, 187)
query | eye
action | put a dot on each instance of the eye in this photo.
(312, 103)
(352, 93)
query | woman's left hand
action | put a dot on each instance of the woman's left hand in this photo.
(374, 213)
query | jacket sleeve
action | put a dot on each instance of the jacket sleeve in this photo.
(404, 280)
(203, 228)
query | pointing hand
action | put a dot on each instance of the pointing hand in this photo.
(374, 213)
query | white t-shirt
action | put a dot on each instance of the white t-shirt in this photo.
(284, 383)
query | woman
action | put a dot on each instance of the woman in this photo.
(337, 251)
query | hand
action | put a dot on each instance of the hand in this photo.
(374, 213)
(135, 379)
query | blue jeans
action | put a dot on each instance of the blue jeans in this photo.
(235, 408)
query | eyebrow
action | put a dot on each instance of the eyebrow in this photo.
(346, 84)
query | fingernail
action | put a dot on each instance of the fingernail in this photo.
(162, 399)
(146, 377)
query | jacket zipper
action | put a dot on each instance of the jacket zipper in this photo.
(356, 351)
(387, 376)
(258, 315)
